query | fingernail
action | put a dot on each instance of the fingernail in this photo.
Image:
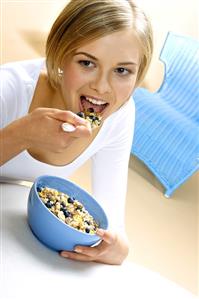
(64, 254)
(78, 250)
(81, 120)
(100, 232)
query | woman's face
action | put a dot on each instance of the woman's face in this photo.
(101, 74)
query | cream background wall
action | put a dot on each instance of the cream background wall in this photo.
(180, 16)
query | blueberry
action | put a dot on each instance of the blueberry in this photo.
(66, 213)
(70, 200)
(39, 188)
(81, 114)
(49, 204)
(87, 230)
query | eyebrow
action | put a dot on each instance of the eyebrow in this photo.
(94, 58)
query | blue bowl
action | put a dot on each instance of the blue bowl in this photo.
(49, 229)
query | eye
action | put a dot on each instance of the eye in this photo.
(123, 71)
(86, 63)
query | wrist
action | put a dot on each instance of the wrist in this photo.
(12, 142)
(123, 244)
(18, 133)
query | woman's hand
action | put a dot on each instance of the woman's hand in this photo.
(112, 250)
(41, 129)
(44, 129)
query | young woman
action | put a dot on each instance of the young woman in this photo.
(97, 52)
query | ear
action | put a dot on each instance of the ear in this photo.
(60, 72)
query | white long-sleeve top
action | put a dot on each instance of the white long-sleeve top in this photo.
(109, 151)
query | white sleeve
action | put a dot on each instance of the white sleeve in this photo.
(17, 84)
(110, 168)
(8, 97)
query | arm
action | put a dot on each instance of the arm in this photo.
(41, 127)
(11, 142)
(110, 173)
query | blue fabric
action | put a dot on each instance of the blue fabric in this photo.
(166, 134)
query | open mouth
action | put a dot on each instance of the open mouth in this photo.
(97, 105)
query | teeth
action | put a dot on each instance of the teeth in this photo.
(95, 102)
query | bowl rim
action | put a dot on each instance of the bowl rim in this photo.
(76, 186)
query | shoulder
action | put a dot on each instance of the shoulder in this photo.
(24, 71)
(118, 129)
(18, 77)
(18, 81)
(124, 114)
(123, 119)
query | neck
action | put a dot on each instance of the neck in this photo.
(46, 96)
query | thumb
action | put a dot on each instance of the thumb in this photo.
(69, 117)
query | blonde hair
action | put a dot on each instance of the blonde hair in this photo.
(82, 21)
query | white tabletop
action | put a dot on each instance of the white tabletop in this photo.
(31, 270)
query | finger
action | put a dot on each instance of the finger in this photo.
(94, 251)
(106, 236)
(68, 116)
(91, 252)
(83, 131)
(75, 256)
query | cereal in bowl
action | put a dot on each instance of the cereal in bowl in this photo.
(68, 209)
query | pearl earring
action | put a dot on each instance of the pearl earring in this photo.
(60, 72)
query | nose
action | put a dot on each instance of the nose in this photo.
(101, 83)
